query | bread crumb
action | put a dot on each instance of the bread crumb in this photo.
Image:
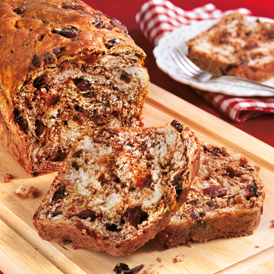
(272, 224)
(148, 271)
(189, 244)
(161, 266)
(179, 258)
(151, 265)
(159, 259)
(7, 178)
(256, 246)
(27, 192)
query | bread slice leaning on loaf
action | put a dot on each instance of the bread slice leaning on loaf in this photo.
(65, 69)
(119, 188)
(236, 46)
(225, 200)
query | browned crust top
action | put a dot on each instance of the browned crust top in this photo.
(40, 32)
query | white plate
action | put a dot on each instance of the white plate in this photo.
(177, 38)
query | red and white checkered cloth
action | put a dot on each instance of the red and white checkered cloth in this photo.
(157, 17)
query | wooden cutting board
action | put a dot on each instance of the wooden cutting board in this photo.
(22, 250)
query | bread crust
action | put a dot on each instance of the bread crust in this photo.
(225, 200)
(64, 68)
(235, 46)
(140, 179)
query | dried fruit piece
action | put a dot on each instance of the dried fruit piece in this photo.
(36, 61)
(135, 215)
(271, 35)
(73, 6)
(252, 191)
(40, 82)
(88, 214)
(60, 156)
(214, 191)
(20, 121)
(40, 127)
(144, 181)
(247, 47)
(113, 227)
(177, 125)
(194, 215)
(215, 151)
(77, 119)
(49, 58)
(110, 43)
(99, 24)
(75, 166)
(122, 268)
(19, 10)
(53, 100)
(88, 58)
(126, 77)
(82, 84)
(68, 32)
(59, 194)
(77, 154)
(119, 25)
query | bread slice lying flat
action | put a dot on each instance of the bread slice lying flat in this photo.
(225, 200)
(236, 46)
(119, 188)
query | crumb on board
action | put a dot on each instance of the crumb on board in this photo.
(179, 258)
(256, 246)
(272, 224)
(159, 259)
(189, 244)
(148, 271)
(7, 177)
(27, 192)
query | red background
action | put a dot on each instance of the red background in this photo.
(260, 127)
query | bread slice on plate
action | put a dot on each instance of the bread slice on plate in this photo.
(236, 45)
(225, 200)
(119, 188)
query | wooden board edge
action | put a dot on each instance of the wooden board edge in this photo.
(263, 259)
(18, 256)
(44, 248)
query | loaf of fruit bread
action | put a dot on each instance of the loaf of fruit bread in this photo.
(65, 69)
(225, 200)
(119, 187)
(236, 46)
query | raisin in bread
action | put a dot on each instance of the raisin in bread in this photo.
(225, 200)
(119, 187)
(65, 69)
(236, 46)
